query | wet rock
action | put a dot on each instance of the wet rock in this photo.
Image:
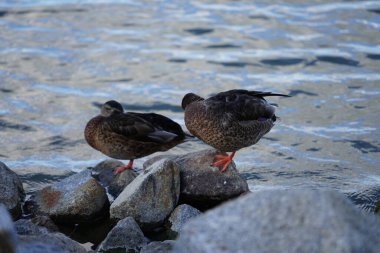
(11, 190)
(203, 186)
(8, 238)
(158, 247)
(151, 197)
(115, 184)
(76, 199)
(181, 215)
(301, 220)
(51, 240)
(126, 236)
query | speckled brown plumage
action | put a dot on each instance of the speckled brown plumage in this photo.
(131, 135)
(229, 120)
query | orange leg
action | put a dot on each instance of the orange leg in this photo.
(122, 168)
(223, 160)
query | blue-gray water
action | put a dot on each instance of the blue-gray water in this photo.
(58, 61)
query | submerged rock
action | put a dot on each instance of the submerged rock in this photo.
(203, 186)
(27, 227)
(126, 236)
(151, 197)
(158, 247)
(76, 199)
(8, 238)
(302, 220)
(181, 215)
(11, 191)
(104, 173)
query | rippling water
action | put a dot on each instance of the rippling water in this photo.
(58, 62)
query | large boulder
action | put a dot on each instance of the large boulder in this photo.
(181, 215)
(115, 184)
(151, 197)
(126, 236)
(76, 199)
(8, 238)
(204, 186)
(301, 220)
(11, 190)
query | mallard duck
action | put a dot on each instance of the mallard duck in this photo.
(229, 120)
(130, 135)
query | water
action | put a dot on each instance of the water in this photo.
(58, 62)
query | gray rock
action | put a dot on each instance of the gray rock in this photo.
(115, 184)
(27, 227)
(59, 240)
(151, 197)
(8, 238)
(45, 221)
(158, 247)
(76, 199)
(203, 186)
(181, 215)
(11, 190)
(301, 220)
(39, 247)
(126, 236)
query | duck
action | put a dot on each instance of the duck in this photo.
(130, 135)
(230, 120)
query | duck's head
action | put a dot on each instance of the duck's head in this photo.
(111, 107)
(190, 98)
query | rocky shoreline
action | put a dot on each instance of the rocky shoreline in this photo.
(149, 212)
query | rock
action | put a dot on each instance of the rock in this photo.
(181, 215)
(46, 222)
(34, 237)
(60, 241)
(76, 199)
(203, 186)
(36, 178)
(38, 247)
(158, 247)
(126, 236)
(115, 184)
(151, 197)
(27, 227)
(299, 220)
(155, 159)
(8, 238)
(11, 190)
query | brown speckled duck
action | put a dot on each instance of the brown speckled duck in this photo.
(229, 120)
(130, 135)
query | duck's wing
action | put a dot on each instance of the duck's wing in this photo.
(132, 126)
(242, 105)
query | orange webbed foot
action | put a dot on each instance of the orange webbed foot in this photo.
(123, 168)
(223, 160)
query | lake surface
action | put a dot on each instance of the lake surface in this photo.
(59, 62)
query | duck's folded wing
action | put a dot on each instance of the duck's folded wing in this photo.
(241, 106)
(136, 128)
